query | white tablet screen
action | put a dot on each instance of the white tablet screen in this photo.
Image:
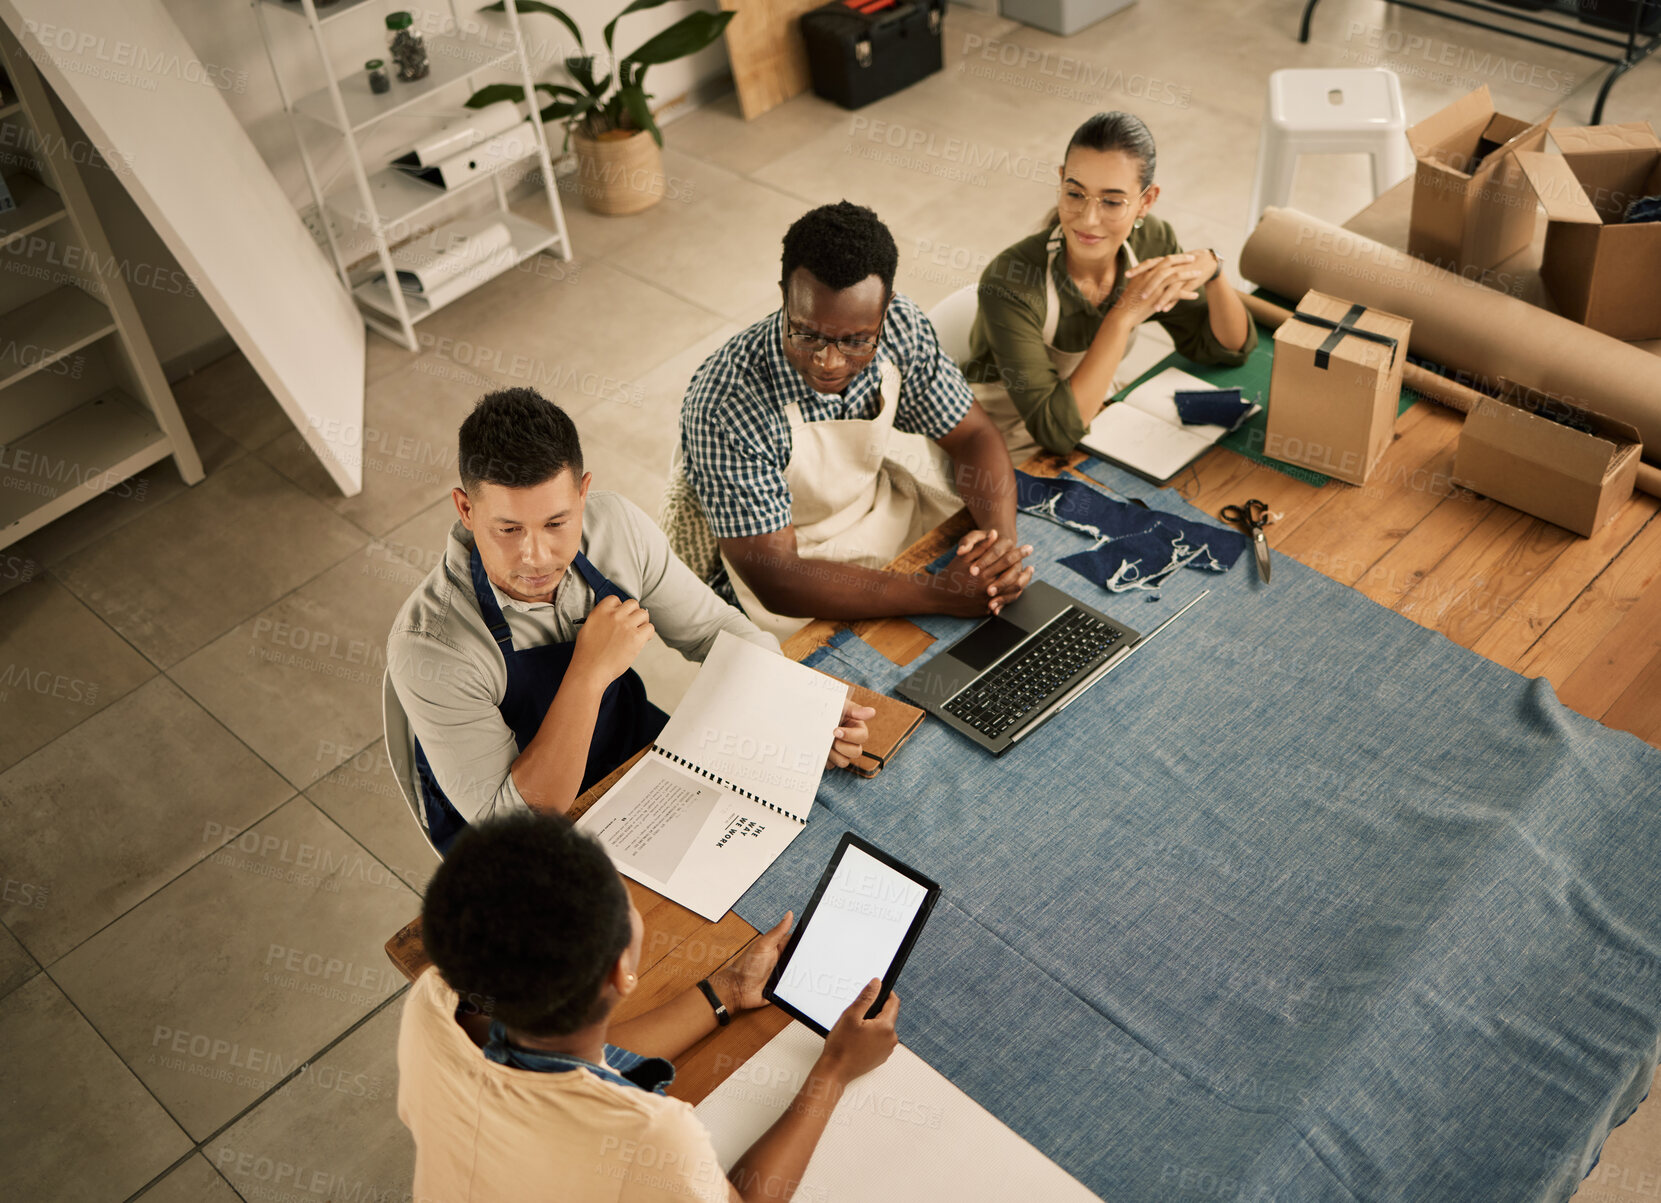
(851, 937)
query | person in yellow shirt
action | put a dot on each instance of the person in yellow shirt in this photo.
(512, 1077)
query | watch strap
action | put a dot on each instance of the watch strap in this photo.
(722, 1016)
(1219, 270)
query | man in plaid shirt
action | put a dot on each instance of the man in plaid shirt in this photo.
(811, 439)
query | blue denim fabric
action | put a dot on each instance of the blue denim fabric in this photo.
(1303, 902)
(622, 1068)
(1133, 546)
(1211, 407)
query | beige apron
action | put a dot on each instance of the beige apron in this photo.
(861, 492)
(994, 398)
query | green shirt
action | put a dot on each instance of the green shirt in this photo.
(1006, 344)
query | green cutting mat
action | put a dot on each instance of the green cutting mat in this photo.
(1252, 379)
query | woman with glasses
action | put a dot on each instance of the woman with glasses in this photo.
(1059, 309)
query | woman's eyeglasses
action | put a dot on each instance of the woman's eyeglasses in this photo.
(1073, 202)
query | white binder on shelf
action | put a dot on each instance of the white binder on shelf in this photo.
(453, 258)
(481, 158)
(460, 132)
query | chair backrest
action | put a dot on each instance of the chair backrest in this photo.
(952, 319)
(683, 522)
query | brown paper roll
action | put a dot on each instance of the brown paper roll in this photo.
(1440, 389)
(1459, 323)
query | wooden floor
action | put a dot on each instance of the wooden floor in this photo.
(1584, 613)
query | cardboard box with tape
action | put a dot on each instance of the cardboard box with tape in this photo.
(1335, 386)
(1472, 205)
(1549, 457)
(1601, 269)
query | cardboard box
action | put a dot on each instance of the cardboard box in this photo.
(1472, 205)
(1545, 456)
(1333, 392)
(1600, 272)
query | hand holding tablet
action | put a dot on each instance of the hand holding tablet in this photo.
(860, 925)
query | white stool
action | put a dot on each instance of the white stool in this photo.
(1322, 111)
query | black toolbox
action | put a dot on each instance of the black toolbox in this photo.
(862, 50)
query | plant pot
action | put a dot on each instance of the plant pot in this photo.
(619, 172)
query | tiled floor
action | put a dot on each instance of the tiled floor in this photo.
(205, 847)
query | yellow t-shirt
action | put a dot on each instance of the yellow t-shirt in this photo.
(486, 1132)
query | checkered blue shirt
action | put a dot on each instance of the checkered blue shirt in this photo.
(735, 439)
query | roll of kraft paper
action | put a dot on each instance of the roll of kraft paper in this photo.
(1440, 389)
(1457, 322)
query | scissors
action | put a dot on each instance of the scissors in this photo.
(1254, 517)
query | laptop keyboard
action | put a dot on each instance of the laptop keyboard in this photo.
(1000, 699)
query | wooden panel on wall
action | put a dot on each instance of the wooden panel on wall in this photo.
(769, 61)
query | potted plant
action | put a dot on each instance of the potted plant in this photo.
(607, 117)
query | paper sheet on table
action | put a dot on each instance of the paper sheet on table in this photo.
(901, 1132)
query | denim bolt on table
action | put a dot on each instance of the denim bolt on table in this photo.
(1304, 902)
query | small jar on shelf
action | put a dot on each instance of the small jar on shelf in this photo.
(379, 81)
(407, 46)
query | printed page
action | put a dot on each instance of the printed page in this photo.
(759, 721)
(685, 836)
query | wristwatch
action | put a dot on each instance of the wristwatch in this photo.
(722, 1016)
(1219, 260)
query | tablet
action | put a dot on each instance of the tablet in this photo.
(860, 923)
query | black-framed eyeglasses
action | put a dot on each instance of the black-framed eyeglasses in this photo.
(813, 342)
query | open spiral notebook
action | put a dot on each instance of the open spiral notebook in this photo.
(729, 782)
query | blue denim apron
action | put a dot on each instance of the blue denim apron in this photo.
(621, 1067)
(626, 723)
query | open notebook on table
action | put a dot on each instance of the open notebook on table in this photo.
(728, 784)
(1145, 433)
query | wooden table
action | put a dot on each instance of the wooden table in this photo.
(1525, 594)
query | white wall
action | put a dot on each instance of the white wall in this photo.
(228, 35)
(225, 37)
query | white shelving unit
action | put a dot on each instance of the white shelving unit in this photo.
(83, 401)
(386, 202)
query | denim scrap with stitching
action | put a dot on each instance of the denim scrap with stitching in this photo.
(1135, 548)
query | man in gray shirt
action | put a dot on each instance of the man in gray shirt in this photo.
(508, 679)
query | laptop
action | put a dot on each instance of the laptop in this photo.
(1010, 674)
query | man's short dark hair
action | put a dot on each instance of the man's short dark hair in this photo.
(525, 917)
(841, 245)
(516, 438)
